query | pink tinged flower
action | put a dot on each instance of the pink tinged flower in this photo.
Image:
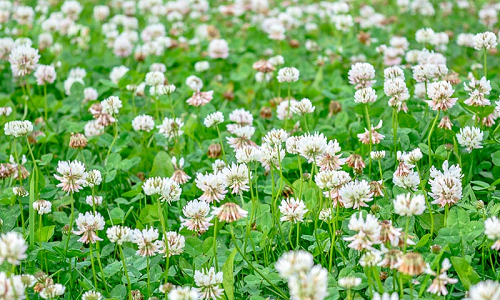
(88, 225)
(147, 241)
(375, 136)
(212, 185)
(196, 216)
(72, 178)
(292, 210)
(446, 185)
(440, 93)
(237, 177)
(356, 194)
(200, 98)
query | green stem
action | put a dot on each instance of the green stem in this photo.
(115, 125)
(430, 137)
(93, 267)
(278, 290)
(367, 119)
(221, 144)
(129, 287)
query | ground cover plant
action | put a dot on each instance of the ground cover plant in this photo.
(249, 149)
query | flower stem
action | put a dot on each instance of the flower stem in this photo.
(129, 287)
(430, 137)
(93, 267)
(278, 290)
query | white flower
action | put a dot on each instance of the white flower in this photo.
(361, 75)
(87, 225)
(292, 210)
(18, 128)
(45, 74)
(93, 200)
(356, 194)
(52, 291)
(408, 205)
(183, 293)
(93, 178)
(470, 137)
(147, 241)
(208, 282)
(12, 287)
(215, 118)
(446, 186)
(111, 105)
(484, 290)
(117, 73)
(303, 107)
(92, 295)
(294, 262)
(236, 177)
(12, 248)
(365, 95)
(167, 189)
(72, 176)
(174, 244)
(368, 232)
(492, 231)
(155, 78)
(218, 48)
(349, 282)
(386, 296)
(23, 60)
(212, 185)
(197, 218)
(194, 83)
(171, 128)
(42, 206)
(275, 137)
(312, 146)
(288, 74)
(143, 123)
(119, 234)
(485, 40)
(201, 66)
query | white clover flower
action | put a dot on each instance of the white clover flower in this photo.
(408, 205)
(470, 138)
(45, 75)
(18, 128)
(117, 73)
(23, 60)
(212, 119)
(349, 282)
(12, 248)
(93, 178)
(288, 74)
(356, 194)
(42, 206)
(111, 105)
(73, 175)
(147, 241)
(88, 225)
(119, 234)
(293, 262)
(197, 216)
(92, 295)
(303, 107)
(53, 291)
(365, 95)
(492, 231)
(143, 123)
(208, 282)
(485, 40)
(292, 210)
(155, 78)
(174, 244)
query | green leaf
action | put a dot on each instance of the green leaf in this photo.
(46, 233)
(228, 277)
(162, 165)
(465, 272)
